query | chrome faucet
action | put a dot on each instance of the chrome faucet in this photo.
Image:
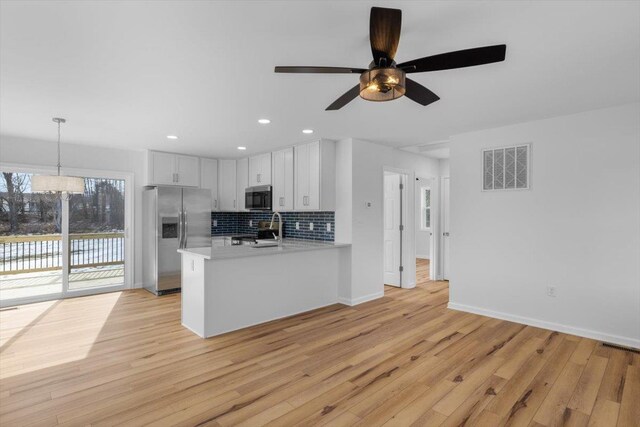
(279, 237)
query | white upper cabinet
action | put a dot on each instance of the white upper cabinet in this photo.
(283, 180)
(188, 171)
(260, 170)
(242, 181)
(314, 177)
(227, 185)
(172, 169)
(209, 180)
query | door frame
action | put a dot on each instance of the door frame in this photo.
(408, 279)
(441, 231)
(129, 266)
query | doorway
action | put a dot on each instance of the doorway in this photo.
(395, 214)
(56, 246)
(425, 245)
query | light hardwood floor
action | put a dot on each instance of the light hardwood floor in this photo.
(402, 360)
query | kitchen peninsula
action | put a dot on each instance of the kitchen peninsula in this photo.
(229, 288)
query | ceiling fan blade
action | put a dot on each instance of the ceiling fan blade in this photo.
(322, 70)
(457, 59)
(384, 33)
(348, 96)
(418, 93)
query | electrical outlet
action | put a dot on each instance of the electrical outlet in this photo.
(297, 225)
(329, 226)
(551, 291)
(250, 223)
(215, 222)
(311, 226)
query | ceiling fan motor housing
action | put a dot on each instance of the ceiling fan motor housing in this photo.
(382, 84)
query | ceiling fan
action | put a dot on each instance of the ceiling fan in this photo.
(385, 80)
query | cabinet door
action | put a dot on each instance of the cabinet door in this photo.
(255, 164)
(188, 170)
(283, 180)
(265, 169)
(209, 179)
(313, 193)
(163, 168)
(301, 184)
(260, 170)
(227, 185)
(242, 181)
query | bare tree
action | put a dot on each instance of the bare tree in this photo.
(15, 185)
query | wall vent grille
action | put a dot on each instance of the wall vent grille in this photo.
(506, 168)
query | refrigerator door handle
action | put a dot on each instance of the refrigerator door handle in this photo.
(180, 232)
(186, 228)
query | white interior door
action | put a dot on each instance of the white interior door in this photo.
(445, 229)
(392, 229)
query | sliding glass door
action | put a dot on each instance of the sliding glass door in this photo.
(54, 246)
(96, 234)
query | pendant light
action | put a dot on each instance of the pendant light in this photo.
(57, 183)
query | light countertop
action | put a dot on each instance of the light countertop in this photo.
(242, 251)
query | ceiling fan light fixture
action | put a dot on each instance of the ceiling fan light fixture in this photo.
(382, 84)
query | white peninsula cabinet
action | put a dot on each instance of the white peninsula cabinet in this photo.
(172, 169)
(227, 185)
(260, 170)
(209, 180)
(315, 176)
(283, 179)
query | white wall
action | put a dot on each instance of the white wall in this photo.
(444, 167)
(41, 153)
(363, 228)
(578, 228)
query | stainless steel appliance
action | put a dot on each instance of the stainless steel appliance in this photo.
(258, 198)
(173, 218)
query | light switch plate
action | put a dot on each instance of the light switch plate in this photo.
(215, 222)
(297, 225)
(310, 226)
(250, 223)
(329, 226)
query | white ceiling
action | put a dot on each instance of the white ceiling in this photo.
(126, 74)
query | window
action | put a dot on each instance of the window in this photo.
(506, 168)
(425, 217)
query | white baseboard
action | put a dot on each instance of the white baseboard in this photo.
(360, 300)
(586, 333)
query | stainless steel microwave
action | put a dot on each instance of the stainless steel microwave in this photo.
(258, 198)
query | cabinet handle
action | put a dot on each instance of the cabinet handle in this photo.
(258, 177)
(215, 203)
(234, 204)
(177, 177)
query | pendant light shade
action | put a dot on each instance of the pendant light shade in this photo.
(57, 183)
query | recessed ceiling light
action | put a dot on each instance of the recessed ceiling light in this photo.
(242, 148)
(264, 121)
(172, 137)
(307, 130)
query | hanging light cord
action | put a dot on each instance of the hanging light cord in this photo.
(58, 148)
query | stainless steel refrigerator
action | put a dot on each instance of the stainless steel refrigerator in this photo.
(174, 218)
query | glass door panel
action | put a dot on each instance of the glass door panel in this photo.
(30, 240)
(96, 235)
